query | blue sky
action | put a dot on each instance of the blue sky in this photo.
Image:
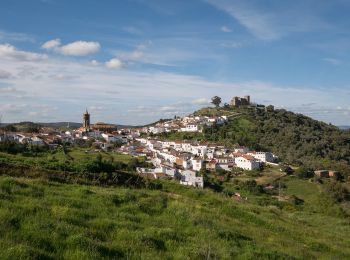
(135, 61)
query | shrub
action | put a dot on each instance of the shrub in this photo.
(337, 191)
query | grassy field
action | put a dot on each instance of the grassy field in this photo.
(49, 220)
(88, 154)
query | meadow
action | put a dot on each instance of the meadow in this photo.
(41, 219)
(96, 207)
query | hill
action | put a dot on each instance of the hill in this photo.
(295, 138)
(43, 219)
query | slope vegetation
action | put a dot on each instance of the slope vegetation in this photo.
(41, 219)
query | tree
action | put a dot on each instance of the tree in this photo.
(337, 191)
(216, 101)
(226, 106)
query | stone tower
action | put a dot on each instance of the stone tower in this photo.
(86, 121)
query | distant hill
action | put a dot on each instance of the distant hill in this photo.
(56, 125)
(344, 127)
(72, 125)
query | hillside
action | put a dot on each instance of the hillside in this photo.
(295, 138)
(41, 219)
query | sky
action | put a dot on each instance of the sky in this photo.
(136, 61)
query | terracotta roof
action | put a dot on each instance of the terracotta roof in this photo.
(248, 157)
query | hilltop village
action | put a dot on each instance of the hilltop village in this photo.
(181, 160)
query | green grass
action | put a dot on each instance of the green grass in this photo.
(80, 154)
(269, 175)
(43, 220)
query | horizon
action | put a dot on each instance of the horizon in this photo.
(133, 62)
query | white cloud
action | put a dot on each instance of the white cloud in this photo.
(225, 29)
(10, 90)
(13, 108)
(270, 25)
(52, 44)
(9, 52)
(19, 37)
(231, 45)
(80, 48)
(114, 63)
(201, 101)
(138, 53)
(96, 108)
(168, 109)
(94, 63)
(332, 61)
(257, 23)
(5, 74)
(77, 48)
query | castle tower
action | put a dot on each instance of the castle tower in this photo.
(86, 121)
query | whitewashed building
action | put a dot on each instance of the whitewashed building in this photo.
(190, 128)
(197, 164)
(247, 162)
(262, 156)
(188, 177)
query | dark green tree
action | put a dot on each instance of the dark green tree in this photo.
(216, 101)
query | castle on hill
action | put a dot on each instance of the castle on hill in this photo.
(240, 101)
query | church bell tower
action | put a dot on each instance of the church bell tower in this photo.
(86, 121)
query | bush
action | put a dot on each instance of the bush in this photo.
(337, 191)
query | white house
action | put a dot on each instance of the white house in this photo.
(36, 141)
(190, 128)
(247, 162)
(156, 161)
(168, 170)
(262, 156)
(156, 130)
(197, 164)
(109, 138)
(186, 147)
(199, 150)
(221, 120)
(188, 177)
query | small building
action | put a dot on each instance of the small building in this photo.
(190, 128)
(109, 138)
(322, 173)
(332, 173)
(197, 164)
(263, 156)
(211, 165)
(188, 177)
(247, 162)
(36, 141)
